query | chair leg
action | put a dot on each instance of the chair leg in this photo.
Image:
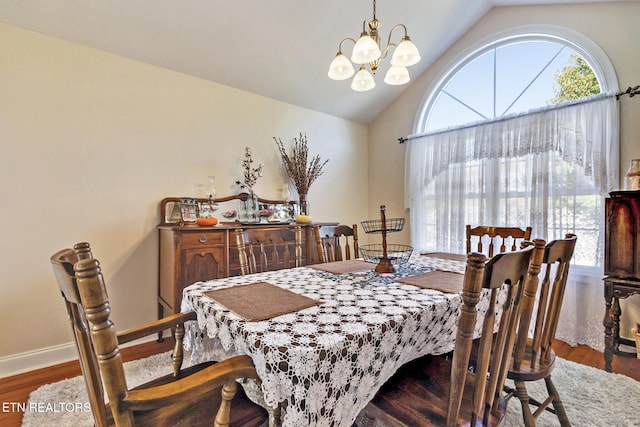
(275, 417)
(521, 392)
(557, 403)
(223, 415)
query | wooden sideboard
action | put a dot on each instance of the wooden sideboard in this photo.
(621, 266)
(191, 253)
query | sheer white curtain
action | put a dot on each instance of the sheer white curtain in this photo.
(549, 169)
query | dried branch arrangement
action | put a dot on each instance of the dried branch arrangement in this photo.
(300, 169)
(251, 174)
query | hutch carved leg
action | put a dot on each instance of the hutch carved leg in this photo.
(609, 341)
(615, 290)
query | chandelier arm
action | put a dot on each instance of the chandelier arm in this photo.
(391, 33)
(385, 52)
(344, 40)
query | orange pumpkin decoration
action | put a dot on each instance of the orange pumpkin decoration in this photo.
(207, 221)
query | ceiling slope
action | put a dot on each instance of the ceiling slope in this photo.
(278, 49)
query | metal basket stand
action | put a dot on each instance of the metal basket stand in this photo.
(384, 265)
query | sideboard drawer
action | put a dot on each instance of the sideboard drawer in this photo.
(203, 238)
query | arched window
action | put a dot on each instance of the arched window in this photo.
(491, 147)
(510, 73)
(508, 78)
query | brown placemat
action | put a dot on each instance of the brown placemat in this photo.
(443, 281)
(260, 300)
(341, 267)
(446, 255)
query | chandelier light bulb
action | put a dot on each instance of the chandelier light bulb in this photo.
(397, 75)
(406, 54)
(340, 68)
(366, 50)
(363, 80)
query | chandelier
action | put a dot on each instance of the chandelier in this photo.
(367, 51)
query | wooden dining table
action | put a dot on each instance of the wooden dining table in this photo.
(323, 363)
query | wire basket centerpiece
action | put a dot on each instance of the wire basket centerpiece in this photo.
(397, 254)
(385, 255)
(391, 225)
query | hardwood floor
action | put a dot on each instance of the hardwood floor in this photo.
(16, 389)
(628, 366)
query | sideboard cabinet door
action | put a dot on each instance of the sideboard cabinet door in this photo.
(202, 264)
(188, 256)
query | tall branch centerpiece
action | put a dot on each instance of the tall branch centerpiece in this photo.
(302, 169)
(248, 211)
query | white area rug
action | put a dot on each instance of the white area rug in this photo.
(65, 403)
(591, 396)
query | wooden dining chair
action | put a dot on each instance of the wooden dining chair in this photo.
(333, 241)
(442, 391)
(188, 396)
(491, 240)
(261, 250)
(62, 263)
(533, 357)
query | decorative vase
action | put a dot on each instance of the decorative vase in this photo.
(304, 204)
(248, 209)
(632, 179)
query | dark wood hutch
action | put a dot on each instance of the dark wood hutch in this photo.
(621, 266)
(190, 253)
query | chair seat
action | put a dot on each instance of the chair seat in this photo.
(532, 369)
(417, 395)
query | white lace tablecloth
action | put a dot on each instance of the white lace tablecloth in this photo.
(326, 362)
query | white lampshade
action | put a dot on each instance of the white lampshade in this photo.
(340, 68)
(363, 81)
(397, 75)
(406, 54)
(366, 50)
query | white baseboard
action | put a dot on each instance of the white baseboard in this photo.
(31, 360)
(36, 359)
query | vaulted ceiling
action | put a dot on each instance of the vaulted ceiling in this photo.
(280, 49)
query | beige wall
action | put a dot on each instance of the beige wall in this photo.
(613, 26)
(91, 142)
